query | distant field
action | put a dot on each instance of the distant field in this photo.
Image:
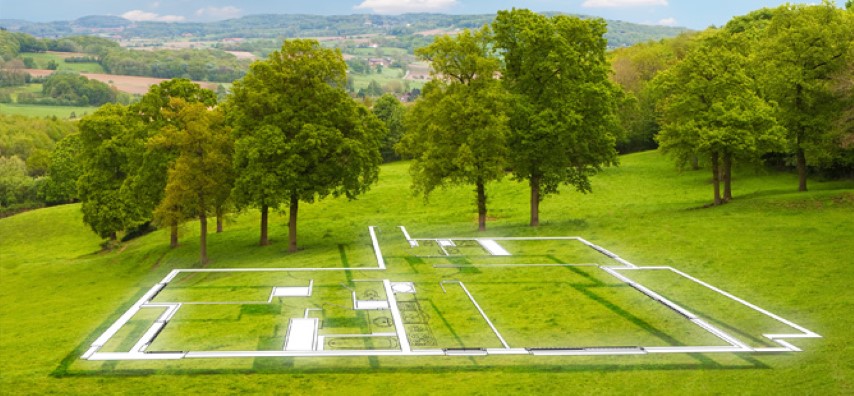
(129, 84)
(29, 88)
(389, 74)
(381, 51)
(43, 58)
(135, 84)
(46, 111)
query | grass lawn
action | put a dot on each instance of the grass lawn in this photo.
(785, 251)
(45, 111)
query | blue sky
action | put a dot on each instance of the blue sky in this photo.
(693, 14)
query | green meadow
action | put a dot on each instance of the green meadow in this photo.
(30, 110)
(43, 58)
(785, 251)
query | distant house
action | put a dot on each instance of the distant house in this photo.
(374, 62)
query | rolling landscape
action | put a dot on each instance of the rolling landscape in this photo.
(506, 203)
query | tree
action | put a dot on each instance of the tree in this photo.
(563, 121)
(390, 111)
(146, 183)
(299, 136)
(200, 178)
(104, 137)
(633, 69)
(16, 187)
(800, 48)
(711, 107)
(457, 130)
(64, 170)
(374, 89)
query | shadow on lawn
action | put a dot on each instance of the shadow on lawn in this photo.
(374, 366)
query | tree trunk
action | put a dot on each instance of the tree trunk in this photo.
(264, 210)
(203, 239)
(219, 216)
(801, 156)
(114, 236)
(292, 224)
(173, 234)
(535, 200)
(727, 176)
(695, 162)
(802, 170)
(481, 206)
(716, 172)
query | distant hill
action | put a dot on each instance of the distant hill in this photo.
(102, 22)
(288, 26)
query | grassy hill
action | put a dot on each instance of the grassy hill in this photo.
(785, 251)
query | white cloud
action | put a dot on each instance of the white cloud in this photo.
(622, 3)
(667, 22)
(226, 12)
(142, 16)
(405, 6)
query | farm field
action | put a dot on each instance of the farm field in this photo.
(45, 111)
(782, 250)
(42, 59)
(361, 81)
(129, 84)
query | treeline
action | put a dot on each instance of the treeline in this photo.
(202, 65)
(29, 156)
(774, 85)
(287, 133)
(194, 64)
(72, 89)
(13, 44)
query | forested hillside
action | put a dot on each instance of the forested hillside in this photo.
(292, 26)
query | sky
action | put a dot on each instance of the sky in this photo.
(694, 14)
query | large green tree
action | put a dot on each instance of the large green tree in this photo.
(105, 137)
(457, 130)
(200, 178)
(711, 108)
(800, 48)
(563, 121)
(299, 136)
(149, 163)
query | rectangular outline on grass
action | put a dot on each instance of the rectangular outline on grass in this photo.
(138, 352)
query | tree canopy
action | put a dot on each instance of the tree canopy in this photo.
(200, 178)
(457, 130)
(299, 136)
(799, 50)
(711, 107)
(563, 121)
(104, 138)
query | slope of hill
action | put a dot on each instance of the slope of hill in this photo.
(787, 252)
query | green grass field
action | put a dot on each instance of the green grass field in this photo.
(45, 111)
(42, 60)
(785, 251)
